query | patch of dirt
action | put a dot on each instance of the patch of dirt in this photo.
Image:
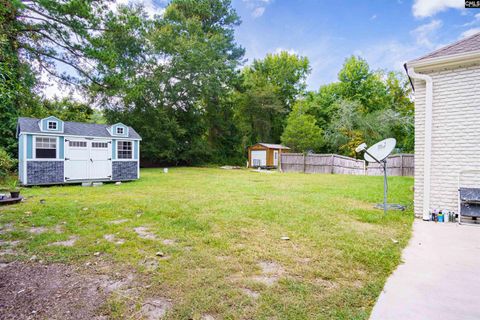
(37, 230)
(113, 239)
(169, 242)
(145, 233)
(8, 251)
(6, 228)
(13, 243)
(59, 229)
(67, 243)
(56, 291)
(7, 248)
(251, 293)
(271, 272)
(207, 317)
(325, 284)
(120, 221)
(154, 309)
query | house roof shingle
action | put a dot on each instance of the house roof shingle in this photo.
(469, 44)
(73, 128)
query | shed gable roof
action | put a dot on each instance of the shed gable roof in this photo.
(73, 128)
(273, 146)
(469, 44)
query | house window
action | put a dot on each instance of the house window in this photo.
(45, 148)
(77, 144)
(52, 125)
(102, 145)
(119, 130)
(124, 150)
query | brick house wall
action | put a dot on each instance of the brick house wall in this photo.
(455, 133)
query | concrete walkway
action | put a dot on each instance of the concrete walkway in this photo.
(440, 276)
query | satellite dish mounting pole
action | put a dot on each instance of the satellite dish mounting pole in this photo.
(379, 153)
(385, 186)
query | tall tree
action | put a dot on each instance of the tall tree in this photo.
(37, 37)
(175, 70)
(302, 133)
(270, 87)
(287, 72)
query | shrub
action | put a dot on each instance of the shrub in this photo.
(7, 164)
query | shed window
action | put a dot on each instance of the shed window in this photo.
(45, 148)
(99, 145)
(119, 130)
(77, 144)
(124, 150)
(52, 125)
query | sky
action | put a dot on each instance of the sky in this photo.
(387, 33)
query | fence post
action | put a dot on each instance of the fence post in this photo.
(401, 165)
(304, 162)
(332, 160)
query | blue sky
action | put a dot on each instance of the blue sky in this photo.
(386, 33)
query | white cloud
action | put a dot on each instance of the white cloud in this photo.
(428, 8)
(425, 35)
(373, 17)
(258, 12)
(290, 50)
(258, 7)
(469, 32)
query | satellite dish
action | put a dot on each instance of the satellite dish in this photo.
(380, 150)
(379, 153)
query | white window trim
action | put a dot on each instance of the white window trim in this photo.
(57, 144)
(132, 158)
(77, 140)
(121, 133)
(52, 121)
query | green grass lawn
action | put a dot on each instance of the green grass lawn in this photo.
(219, 232)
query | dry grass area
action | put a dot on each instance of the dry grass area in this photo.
(203, 243)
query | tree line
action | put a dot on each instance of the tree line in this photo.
(181, 81)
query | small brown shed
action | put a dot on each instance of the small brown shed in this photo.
(265, 155)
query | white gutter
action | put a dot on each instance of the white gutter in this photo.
(428, 139)
(446, 61)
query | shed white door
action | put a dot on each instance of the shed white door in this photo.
(275, 158)
(259, 158)
(87, 159)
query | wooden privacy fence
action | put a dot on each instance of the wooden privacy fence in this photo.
(397, 165)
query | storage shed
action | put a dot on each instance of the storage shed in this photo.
(447, 127)
(52, 151)
(265, 155)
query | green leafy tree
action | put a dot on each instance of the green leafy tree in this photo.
(65, 109)
(172, 78)
(42, 37)
(364, 105)
(257, 109)
(302, 133)
(270, 87)
(285, 71)
(351, 126)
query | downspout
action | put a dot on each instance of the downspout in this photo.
(428, 138)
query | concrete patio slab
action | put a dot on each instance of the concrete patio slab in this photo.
(439, 278)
